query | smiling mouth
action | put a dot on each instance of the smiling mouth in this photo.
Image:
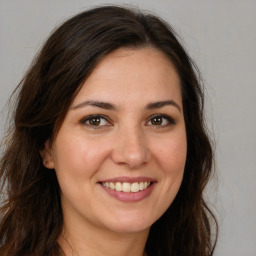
(127, 187)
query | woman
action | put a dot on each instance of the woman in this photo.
(108, 152)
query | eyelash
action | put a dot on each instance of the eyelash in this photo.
(91, 117)
(169, 119)
(87, 119)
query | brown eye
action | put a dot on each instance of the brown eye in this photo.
(161, 120)
(95, 121)
(157, 120)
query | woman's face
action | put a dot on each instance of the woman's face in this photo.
(120, 153)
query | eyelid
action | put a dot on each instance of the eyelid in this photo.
(85, 119)
(171, 120)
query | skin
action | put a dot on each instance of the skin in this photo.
(126, 142)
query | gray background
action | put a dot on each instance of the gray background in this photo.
(221, 37)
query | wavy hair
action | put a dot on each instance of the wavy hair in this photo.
(31, 215)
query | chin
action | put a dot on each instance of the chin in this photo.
(131, 224)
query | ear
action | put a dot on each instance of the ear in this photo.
(46, 155)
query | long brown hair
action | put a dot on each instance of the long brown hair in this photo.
(31, 215)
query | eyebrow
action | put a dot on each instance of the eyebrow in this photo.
(93, 103)
(160, 104)
(109, 106)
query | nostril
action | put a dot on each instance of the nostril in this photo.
(131, 149)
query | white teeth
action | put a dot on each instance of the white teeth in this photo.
(142, 185)
(126, 186)
(119, 186)
(112, 185)
(135, 187)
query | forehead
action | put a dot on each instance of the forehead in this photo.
(127, 74)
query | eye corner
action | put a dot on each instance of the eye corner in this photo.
(94, 121)
(161, 121)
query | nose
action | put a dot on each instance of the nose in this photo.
(130, 148)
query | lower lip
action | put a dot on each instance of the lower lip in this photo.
(131, 196)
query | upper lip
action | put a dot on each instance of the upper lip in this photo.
(129, 179)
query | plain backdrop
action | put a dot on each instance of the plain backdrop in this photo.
(220, 35)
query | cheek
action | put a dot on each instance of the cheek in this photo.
(171, 154)
(78, 157)
(172, 158)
